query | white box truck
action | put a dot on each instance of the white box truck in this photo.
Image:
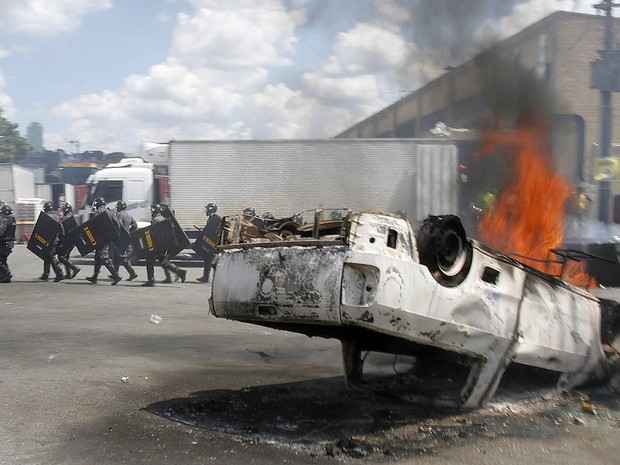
(16, 182)
(415, 176)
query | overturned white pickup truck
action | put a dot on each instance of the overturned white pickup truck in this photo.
(436, 296)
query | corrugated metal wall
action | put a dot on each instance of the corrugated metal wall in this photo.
(436, 186)
(287, 176)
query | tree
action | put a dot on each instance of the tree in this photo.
(13, 147)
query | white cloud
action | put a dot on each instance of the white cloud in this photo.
(367, 48)
(229, 36)
(392, 10)
(6, 104)
(282, 113)
(527, 13)
(46, 17)
(237, 69)
(219, 57)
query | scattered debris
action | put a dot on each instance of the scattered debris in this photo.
(588, 408)
(156, 319)
(125, 379)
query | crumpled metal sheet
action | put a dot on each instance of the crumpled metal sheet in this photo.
(280, 284)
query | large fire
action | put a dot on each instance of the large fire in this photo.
(528, 218)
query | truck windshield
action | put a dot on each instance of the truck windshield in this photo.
(111, 191)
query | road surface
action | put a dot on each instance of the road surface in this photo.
(124, 374)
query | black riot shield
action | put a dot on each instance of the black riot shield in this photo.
(179, 234)
(43, 235)
(206, 244)
(123, 240)
(65, 246)
(94, 233)
(154, 239)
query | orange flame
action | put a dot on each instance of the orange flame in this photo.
(528, 219)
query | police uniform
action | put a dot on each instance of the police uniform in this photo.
(7, 240)
(64, 249)
(127, 222)
(51, 260)
(161, 258)
(210, 210)
(102, 253)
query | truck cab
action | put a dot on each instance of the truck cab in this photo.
(131, 180)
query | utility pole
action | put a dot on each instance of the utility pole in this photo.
(605, 78)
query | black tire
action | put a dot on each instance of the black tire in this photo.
(444, 249)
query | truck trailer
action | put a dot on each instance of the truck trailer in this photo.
(16, 183)
(415, 176)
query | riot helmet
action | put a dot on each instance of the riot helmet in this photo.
(156, 209)
(268, 216)
(6, 210)
(99, 202)
(67, 209)
(249, 213)
(48, 206)
(298, 218)
(120, 206)
(210, 209)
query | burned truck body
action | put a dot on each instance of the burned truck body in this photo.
(434, 295)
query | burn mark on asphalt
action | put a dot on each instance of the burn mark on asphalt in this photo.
(323, 418)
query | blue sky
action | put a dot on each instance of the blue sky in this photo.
(117, 73)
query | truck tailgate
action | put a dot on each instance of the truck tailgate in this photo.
(296, 284)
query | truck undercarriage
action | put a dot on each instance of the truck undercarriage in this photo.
(447, 304)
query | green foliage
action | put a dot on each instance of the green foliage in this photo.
(113, 157)
(13, 147)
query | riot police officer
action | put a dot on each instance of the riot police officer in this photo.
(126, 221)
(50, 261)
(161, 258)
(7, 240)
(210, 211)
(102, 253)
(64, 247)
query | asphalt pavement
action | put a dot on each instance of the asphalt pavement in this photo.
(107, 374)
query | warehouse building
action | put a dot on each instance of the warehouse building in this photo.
(558, 53)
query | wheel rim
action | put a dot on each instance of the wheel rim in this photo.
(450, 252)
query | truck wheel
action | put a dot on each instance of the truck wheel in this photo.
(444, 249)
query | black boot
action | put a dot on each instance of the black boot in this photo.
(93, 278)
(115, 277)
